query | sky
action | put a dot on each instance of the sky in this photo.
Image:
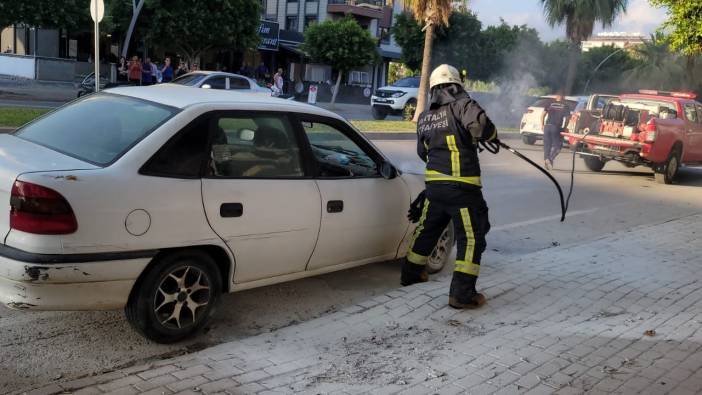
(641, 17)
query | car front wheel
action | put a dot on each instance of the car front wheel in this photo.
(594, 163)
(379, 114)
(442, 252)
(175, 297)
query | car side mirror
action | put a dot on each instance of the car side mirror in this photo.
(387, 170)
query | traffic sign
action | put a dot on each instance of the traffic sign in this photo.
(97, 10)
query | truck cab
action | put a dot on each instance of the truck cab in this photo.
(660, 130)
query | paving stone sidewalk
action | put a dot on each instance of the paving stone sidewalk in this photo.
(567, 320)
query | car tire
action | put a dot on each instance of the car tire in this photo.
(441, 254)
(409, 110)
(379, 114)
(594, 163)
(528, 140)
(160, 305)
(666, 173)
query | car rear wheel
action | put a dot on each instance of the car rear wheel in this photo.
(409, 110)
(442, 252)
(666, 173)
(175, 297)
(594, 163)
(528, 140)
(379, 114)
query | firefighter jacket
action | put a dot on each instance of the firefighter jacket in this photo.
(448, 134)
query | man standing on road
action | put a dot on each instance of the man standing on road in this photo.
(447, 141)
(552, 122)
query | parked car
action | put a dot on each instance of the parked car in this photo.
(531, 128)
(87, 85)
(150, 200)
(222, 81)
(660, 130)
(398, 98)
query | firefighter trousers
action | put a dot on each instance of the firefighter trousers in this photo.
(467, 208)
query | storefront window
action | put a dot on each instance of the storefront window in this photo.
(310, 19)
(291, 23)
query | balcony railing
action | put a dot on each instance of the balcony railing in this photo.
(359, 3)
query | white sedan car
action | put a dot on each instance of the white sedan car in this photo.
(157, 202)
(221, 81)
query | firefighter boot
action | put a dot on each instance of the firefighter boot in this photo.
(463, 294)
(413, 274)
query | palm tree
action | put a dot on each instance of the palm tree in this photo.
(430, 13)
(657, 66)
(579, 17)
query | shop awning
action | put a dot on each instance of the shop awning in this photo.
(294, 49)
(389, 54)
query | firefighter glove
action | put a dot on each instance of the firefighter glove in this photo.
(415, 210)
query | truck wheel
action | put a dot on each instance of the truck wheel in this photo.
(379, 114)
(666, 173)
(175, 297)
(409, 110)
(528, 140)
(594, 163)
(442, 252)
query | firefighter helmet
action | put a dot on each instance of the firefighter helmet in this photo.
(444, 74)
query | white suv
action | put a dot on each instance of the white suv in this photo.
(399, 98)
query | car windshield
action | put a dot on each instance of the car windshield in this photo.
(410, 82)
(98, 129)
(190, 79)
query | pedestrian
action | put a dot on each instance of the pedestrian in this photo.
(262, 72)
(278, 83)
(182, 69)
(123, 70)
(135, 71)
(195, 67)
(167, 70)
(553, 121)
(447, 141)
(156, 76)
(146, 74)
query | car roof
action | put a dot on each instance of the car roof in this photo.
(180, 96)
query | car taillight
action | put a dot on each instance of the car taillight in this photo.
(651, 131)
(40, 210)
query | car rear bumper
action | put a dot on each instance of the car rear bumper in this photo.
(618, 148)
(82, 285)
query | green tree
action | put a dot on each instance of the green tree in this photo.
(579, 18)
(459, 44)
(613, 62)
(432, 14)
(342, 44)
(67, 14)
(657, 67)
(125, 15)
(409, 36)
(685, 24)
(192, 27)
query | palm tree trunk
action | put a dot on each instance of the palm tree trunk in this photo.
(574, 56)
(426, 65)
(336, 89)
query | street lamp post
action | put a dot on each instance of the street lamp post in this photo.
(587, 84)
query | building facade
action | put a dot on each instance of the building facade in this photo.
(613, 39)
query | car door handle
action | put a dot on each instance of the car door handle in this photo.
(335, 206)
(231, 210)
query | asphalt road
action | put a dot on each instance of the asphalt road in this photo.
(38, 347)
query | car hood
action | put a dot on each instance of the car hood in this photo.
(398, 89)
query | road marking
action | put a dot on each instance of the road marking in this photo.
(542, 219)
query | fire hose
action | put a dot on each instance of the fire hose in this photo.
(494, 147)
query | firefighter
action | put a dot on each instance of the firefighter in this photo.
(448, 134)
(553, 120)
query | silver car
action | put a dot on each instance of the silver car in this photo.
(221, 80)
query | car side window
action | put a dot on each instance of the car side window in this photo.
(253, 146)
(238, 83)
(691, 113)
(182, 156)
(216, 82)
(336, 154)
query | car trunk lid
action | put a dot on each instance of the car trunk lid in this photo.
(18, 156)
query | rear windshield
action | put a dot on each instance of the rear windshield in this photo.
(547, 101)
(98, 129)
(191, 79)
(653, 106)
(410, 82)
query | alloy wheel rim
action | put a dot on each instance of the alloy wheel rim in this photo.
(181, 297)
(439, 253)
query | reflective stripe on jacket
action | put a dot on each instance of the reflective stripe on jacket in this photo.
(447, 137)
